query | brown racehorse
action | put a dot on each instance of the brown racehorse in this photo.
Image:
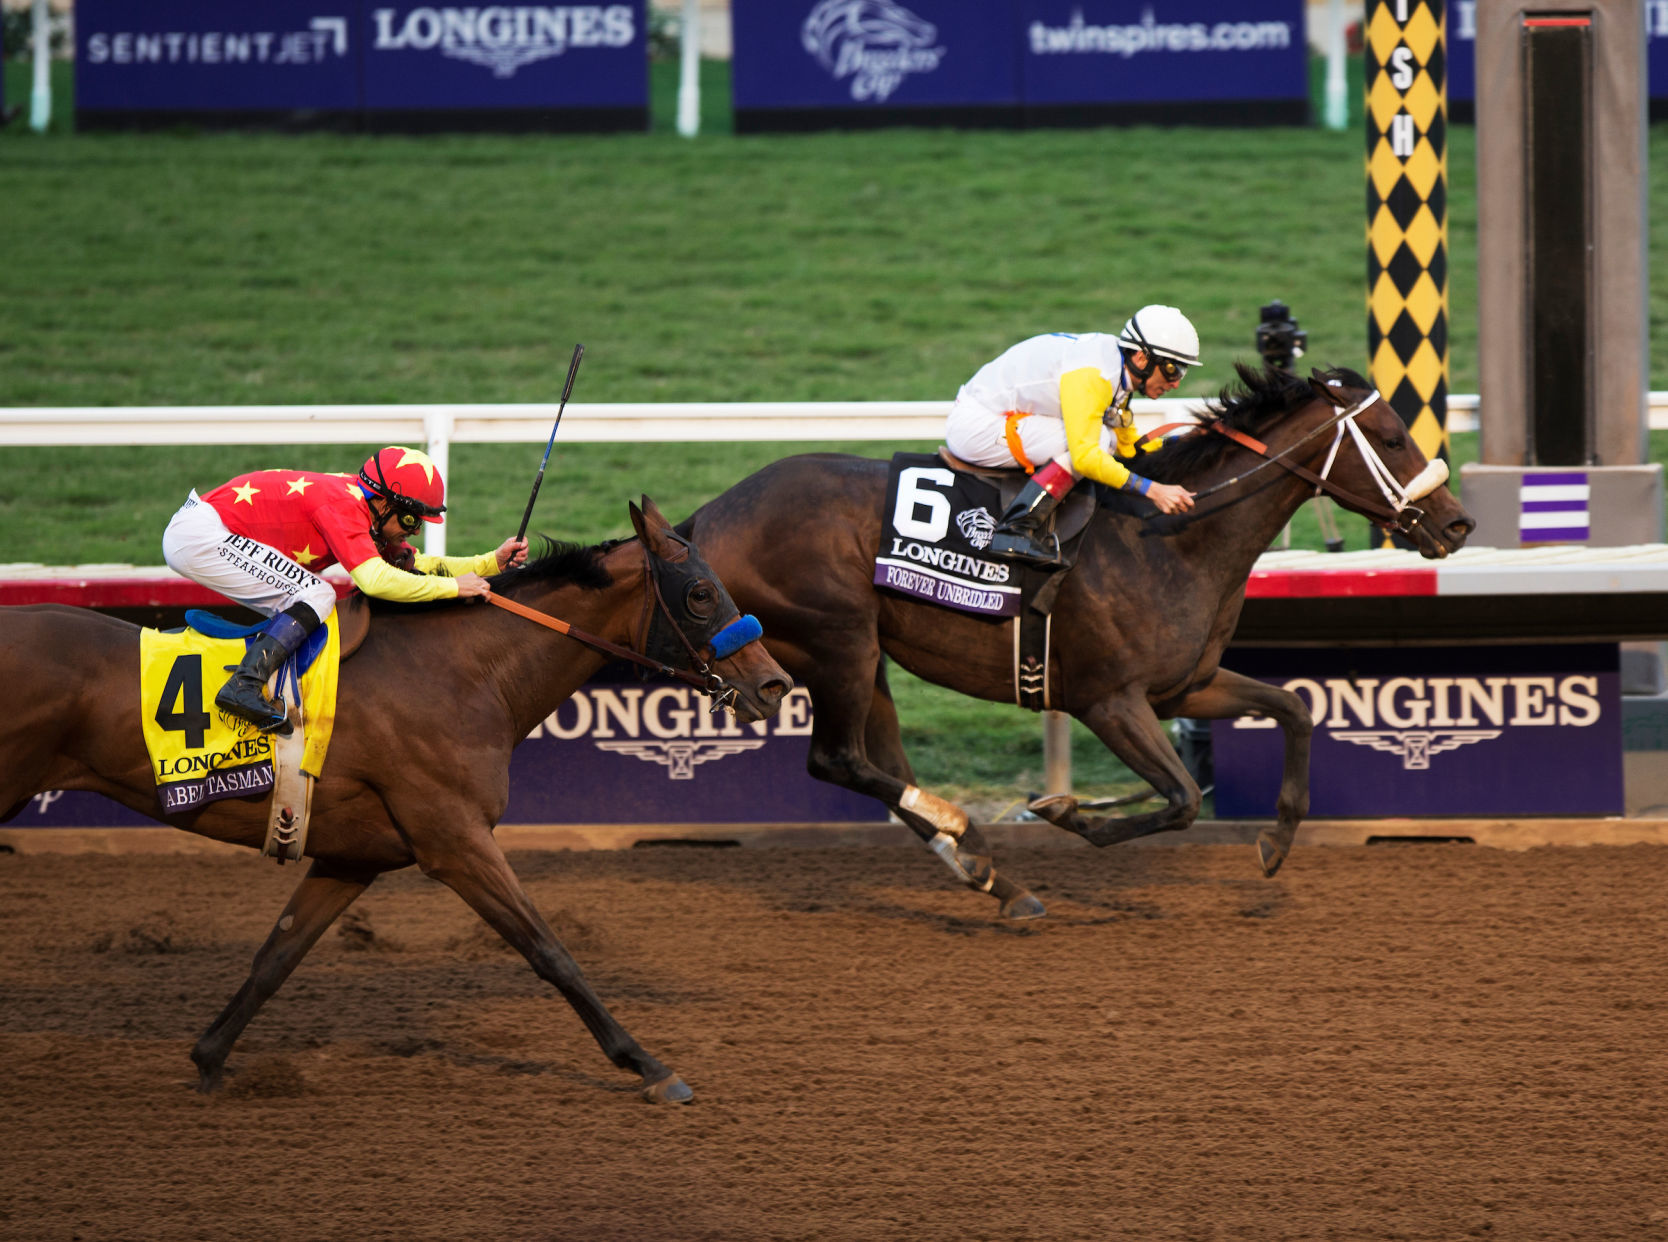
(429, 708)
(1139, 625)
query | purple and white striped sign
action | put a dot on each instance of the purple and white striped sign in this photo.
(1554, 507)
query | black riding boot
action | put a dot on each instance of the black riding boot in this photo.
(1019, 535)
(244, 694)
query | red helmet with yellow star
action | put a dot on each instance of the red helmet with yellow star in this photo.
(408, 481)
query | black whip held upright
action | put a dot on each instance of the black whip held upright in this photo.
(567, 391)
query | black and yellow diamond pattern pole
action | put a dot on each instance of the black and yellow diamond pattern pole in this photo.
(1407, 213)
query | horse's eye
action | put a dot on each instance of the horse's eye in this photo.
(1395, 442)
(701, 599)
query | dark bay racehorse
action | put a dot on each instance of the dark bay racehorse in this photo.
(428, 710)
(1140, 622)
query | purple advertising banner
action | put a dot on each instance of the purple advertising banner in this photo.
(1135, 51)
(621, 751)
(380, 64)
(447, 58)
(206, 55)
(1434, 731)
(868, 53)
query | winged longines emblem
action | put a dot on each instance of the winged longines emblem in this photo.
(1416, 746)
(680, 757)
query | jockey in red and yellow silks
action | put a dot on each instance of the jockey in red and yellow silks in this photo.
(1043, 405)
(262, 538)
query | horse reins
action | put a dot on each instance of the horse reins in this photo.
(1398, 500)
(706, 681)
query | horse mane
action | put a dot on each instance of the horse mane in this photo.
(556, 564)
(559, 564)
(1260, 398)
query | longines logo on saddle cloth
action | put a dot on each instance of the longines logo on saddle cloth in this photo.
(199, 755)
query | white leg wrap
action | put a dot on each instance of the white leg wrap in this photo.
(944, 845)
(947, 817)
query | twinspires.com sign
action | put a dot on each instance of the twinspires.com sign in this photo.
(358, 59)
(620, 751)
(1028, 57)
(1434, 731)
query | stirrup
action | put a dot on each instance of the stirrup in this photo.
(267, 718)
(1008, 546)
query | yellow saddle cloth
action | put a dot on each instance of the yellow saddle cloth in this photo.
(198, 753)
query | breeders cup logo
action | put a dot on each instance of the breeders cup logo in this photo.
(503, 38)
(976, 526)
(1416, 718)
(669, 726)
(875, 43)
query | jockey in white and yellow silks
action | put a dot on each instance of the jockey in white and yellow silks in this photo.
(1043, 406)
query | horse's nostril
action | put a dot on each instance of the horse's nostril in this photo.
(776, 689)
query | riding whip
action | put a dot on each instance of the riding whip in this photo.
(567, 391)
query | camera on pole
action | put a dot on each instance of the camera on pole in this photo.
(1279, 340)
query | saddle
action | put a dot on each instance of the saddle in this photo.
(1069, 518)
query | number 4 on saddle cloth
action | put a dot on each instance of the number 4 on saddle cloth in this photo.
(935, 532)
(200, 755)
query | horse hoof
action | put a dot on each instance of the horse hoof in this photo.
(1055, 808)
(669, 1090)
(1023, 907)
(1269, 857)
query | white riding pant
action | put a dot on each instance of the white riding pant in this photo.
(198, 546)
(979, 435)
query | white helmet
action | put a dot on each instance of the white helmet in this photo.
(1162, 332)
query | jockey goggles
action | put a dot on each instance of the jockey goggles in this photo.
(406, 510)
(1169, 368)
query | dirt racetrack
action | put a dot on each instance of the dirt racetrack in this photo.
(1421, 1042)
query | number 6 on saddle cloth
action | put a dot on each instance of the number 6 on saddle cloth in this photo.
(199, 755)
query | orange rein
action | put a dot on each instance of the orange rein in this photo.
(601, 644)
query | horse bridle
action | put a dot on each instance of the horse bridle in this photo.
(726, 640)
(1398, 512)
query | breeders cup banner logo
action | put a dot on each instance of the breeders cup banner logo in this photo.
(867, 53)
(1434, 731)
(872, 43)
(937, 526)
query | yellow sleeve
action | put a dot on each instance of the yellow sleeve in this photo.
(1084, 395)
(486, 564)
(378, 578)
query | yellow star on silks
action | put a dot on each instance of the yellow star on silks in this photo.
(298, 487)
(352, 489)
(306, 556)
(246, 494)
(416, 456)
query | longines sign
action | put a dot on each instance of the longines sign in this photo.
(620, 751)
(1435, 731)
(358, 58)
